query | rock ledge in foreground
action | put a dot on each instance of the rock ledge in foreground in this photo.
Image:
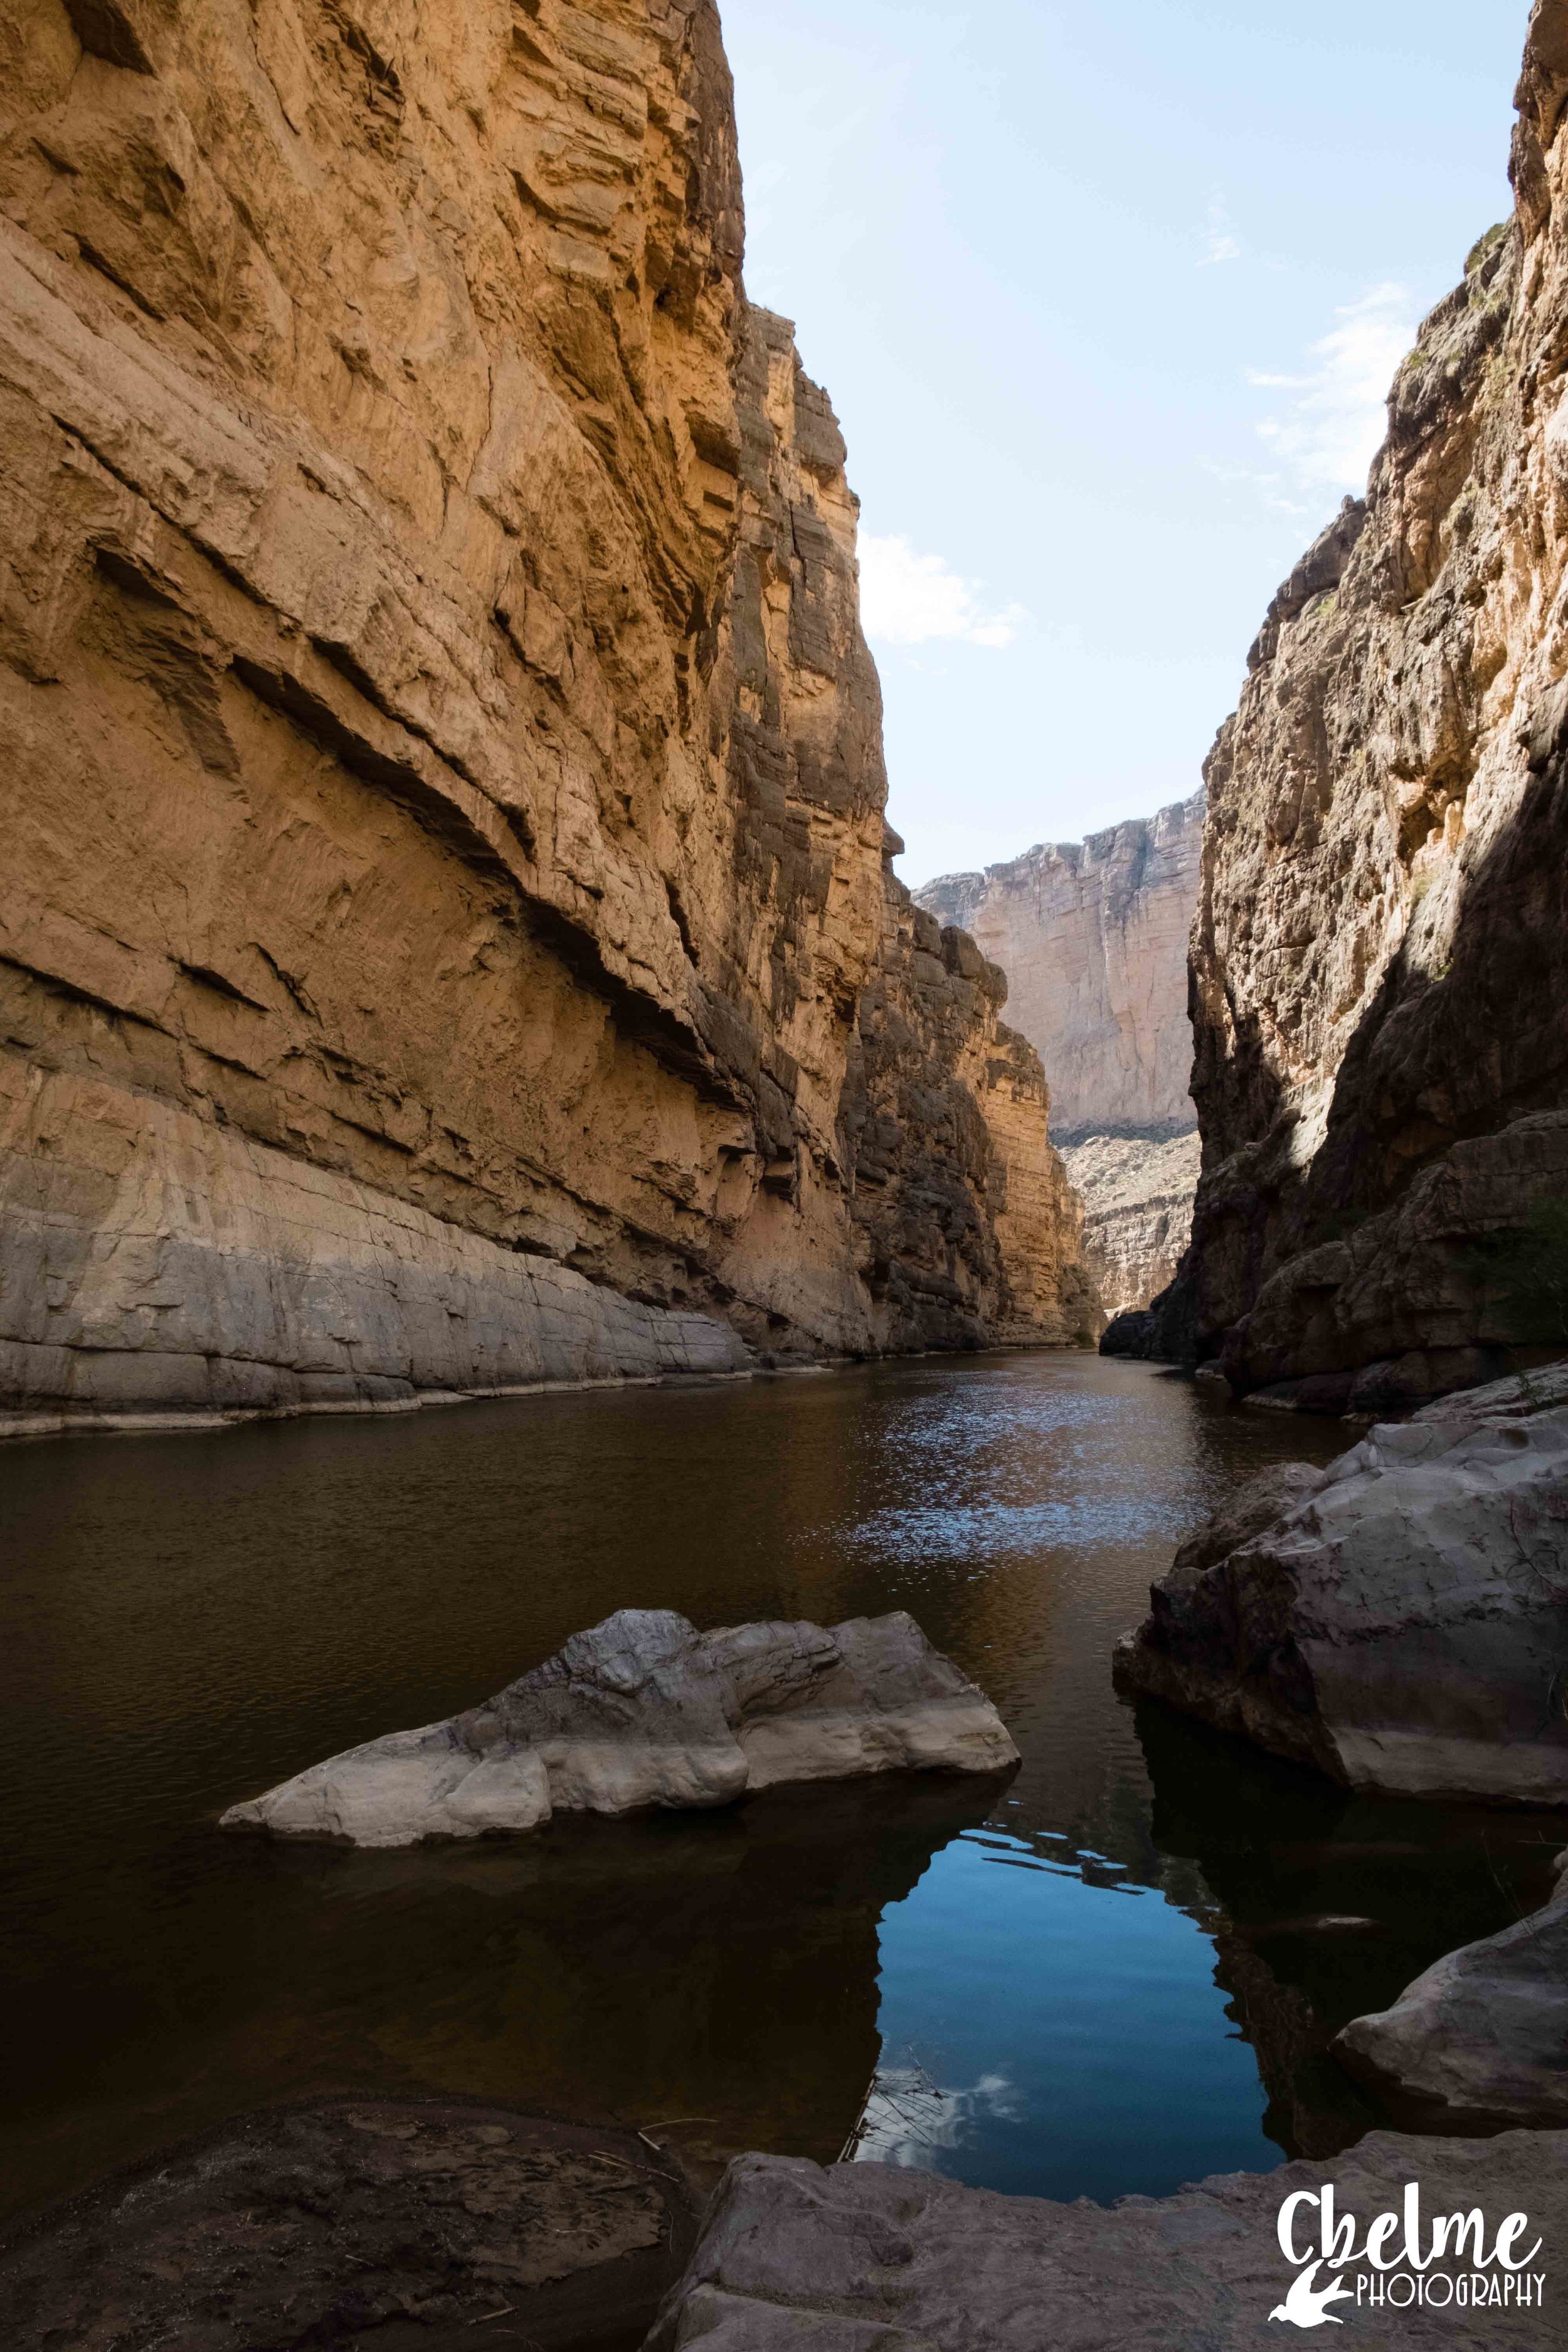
(644, 1710)
(1400, 1620)
(358, 2222)
(873, 2258)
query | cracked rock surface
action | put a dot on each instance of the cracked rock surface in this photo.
(643, 1710)
(357, 2222)
(1399, 1619)
(875, 2258)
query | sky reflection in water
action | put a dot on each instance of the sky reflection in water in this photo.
(186, 1620)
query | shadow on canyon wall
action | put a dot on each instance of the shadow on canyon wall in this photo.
(1446, 1133)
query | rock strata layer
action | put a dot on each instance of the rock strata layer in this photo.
(1380, 965)
(644, 1710)
(447, 937)
(1137, 1192)
(873, 2258)
(1479, 2041)
(1093, 937)
(1399, 1620)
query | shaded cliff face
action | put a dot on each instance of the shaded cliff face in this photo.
(1380, 974)
(445, 895)
(1093, 937)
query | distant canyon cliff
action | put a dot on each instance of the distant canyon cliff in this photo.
(1380, 956)
(1093, 937)
(445, 924)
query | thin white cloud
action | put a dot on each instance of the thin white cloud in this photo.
(1326, 437)
(1220, 240)
(910, 599)
(1268, 486)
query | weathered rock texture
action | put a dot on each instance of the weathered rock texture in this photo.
(1093, 937)
(445, 893)
(644, 1710)
(1380, 964)
(1137, 1193)
(1399, 1620)
(870, 2258)
(1480, 2040)
(331, 2222)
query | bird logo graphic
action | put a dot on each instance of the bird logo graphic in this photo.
(1302, 2307)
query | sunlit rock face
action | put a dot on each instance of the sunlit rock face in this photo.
(1093, 937)
(643, 1711)
(449, 938)
(1380, 960)
(1137, 1192)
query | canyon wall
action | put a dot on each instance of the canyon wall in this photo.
(1093, 937)
(1379, 973)
(446, 928)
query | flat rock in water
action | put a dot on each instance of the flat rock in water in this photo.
(1399, 1619)
(644, 1710)
(873, 2258)
(358, 2222)
(1480, 2040)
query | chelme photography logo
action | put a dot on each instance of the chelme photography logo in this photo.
(1449, 2261)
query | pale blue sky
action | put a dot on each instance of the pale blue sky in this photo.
(1107, 299)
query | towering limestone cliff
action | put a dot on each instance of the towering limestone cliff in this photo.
(447, 932)
(1093, 937)
(1380, 982)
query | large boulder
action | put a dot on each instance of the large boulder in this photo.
(644, 1710)
(1480, 2040)
(1399, 1619)
(872, 2258)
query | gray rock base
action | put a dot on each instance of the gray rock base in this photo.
(871, 2258)
(645, 1711)
(1480, 2040)
(227, 1279)
(1399, 1620)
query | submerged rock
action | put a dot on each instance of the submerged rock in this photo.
(1480, 2040)
(1399, 1619)
(873, 2258)
(644, 1710)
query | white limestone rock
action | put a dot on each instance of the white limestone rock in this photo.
(1401, 1620)
(642, 1711)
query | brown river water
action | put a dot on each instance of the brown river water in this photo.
(1111, 1974)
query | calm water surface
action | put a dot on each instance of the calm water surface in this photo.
(1110, 1974)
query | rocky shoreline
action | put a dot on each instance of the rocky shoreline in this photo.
(361, 2221)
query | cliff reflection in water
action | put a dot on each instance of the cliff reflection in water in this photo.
(1324, 1904)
